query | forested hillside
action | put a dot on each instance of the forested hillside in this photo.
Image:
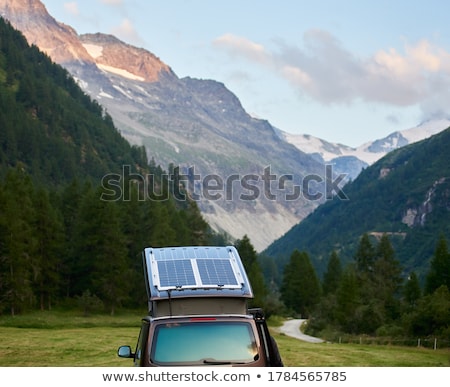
(49, 124)
(77, 202)
(406, 195)
(376, 261)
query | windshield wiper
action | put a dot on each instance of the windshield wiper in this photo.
(222, 362)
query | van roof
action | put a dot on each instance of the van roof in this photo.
(195, 271)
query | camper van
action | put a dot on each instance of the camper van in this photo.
(198, 313)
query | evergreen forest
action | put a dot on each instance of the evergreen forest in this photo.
(77, 202)
(369, 295)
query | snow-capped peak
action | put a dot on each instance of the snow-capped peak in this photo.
(368, 152)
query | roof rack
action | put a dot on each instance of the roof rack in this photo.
(182, 271)
(195, 272)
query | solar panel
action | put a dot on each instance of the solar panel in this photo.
(192, 268)
(176, 273)
(216, 272)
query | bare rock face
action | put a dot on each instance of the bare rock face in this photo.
(59, 41)
(62, 43)
(112, 54)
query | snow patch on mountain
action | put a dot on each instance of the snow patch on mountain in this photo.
(93, 50)
(425, 130)
(106, 95)
(121, 72)
(368, 152)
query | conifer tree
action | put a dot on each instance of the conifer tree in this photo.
(387, 278)
(411, 291)
(432, 315)
(333, 274)
(365, 255)
(160, 231)
(300, 289)
(439, 273)
(17, 241)
(196, 224)
(249, 258)
(112, 273)
(48, 231)
(348, 300)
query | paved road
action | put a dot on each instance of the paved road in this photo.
(292, 328)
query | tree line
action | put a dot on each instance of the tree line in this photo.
(371, 295)
(66, 246)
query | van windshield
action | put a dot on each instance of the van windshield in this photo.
(206, 342)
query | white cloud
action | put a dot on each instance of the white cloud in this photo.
(72, 8)
(238, 46)
(127, 32)
(324, 70)
(112, 2)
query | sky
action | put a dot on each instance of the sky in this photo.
(346, 71)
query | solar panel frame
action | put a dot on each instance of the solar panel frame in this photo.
(183, 271)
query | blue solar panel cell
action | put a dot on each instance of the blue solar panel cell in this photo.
(216, 272)
(176, 273)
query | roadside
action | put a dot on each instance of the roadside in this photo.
(292, 328)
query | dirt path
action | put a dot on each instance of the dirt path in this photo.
(292, 328)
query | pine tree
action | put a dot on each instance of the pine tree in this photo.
(300, 290)
(48, 231)
(365, 256)
(432, 315)
(333, 274)
(387, 279)
(17, 242)
(439, 273)
(160, 231)
(411, 291)
(249, 258)
(348, 300)
(196, 224)
(112, 272)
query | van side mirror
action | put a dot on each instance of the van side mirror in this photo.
(125, 351)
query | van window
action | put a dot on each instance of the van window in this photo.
(203, 343)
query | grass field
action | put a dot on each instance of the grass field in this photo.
(67, 339)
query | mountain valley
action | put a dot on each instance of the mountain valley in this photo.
(240, 169)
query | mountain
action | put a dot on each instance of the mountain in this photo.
(350, 160)
(61, 43)
(49, 126)
(236, 166)
(246, 176)
(405, 194)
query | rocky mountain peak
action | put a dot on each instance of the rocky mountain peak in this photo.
(111, 54)
(62, 43)
(57, 40)
(20, 7)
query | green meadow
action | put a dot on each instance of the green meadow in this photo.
(59, 339)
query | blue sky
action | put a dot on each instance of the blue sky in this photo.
(345, 71)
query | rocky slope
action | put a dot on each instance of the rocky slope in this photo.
(57, 40)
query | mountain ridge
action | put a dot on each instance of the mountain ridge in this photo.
(405, 194)
(368, 152)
